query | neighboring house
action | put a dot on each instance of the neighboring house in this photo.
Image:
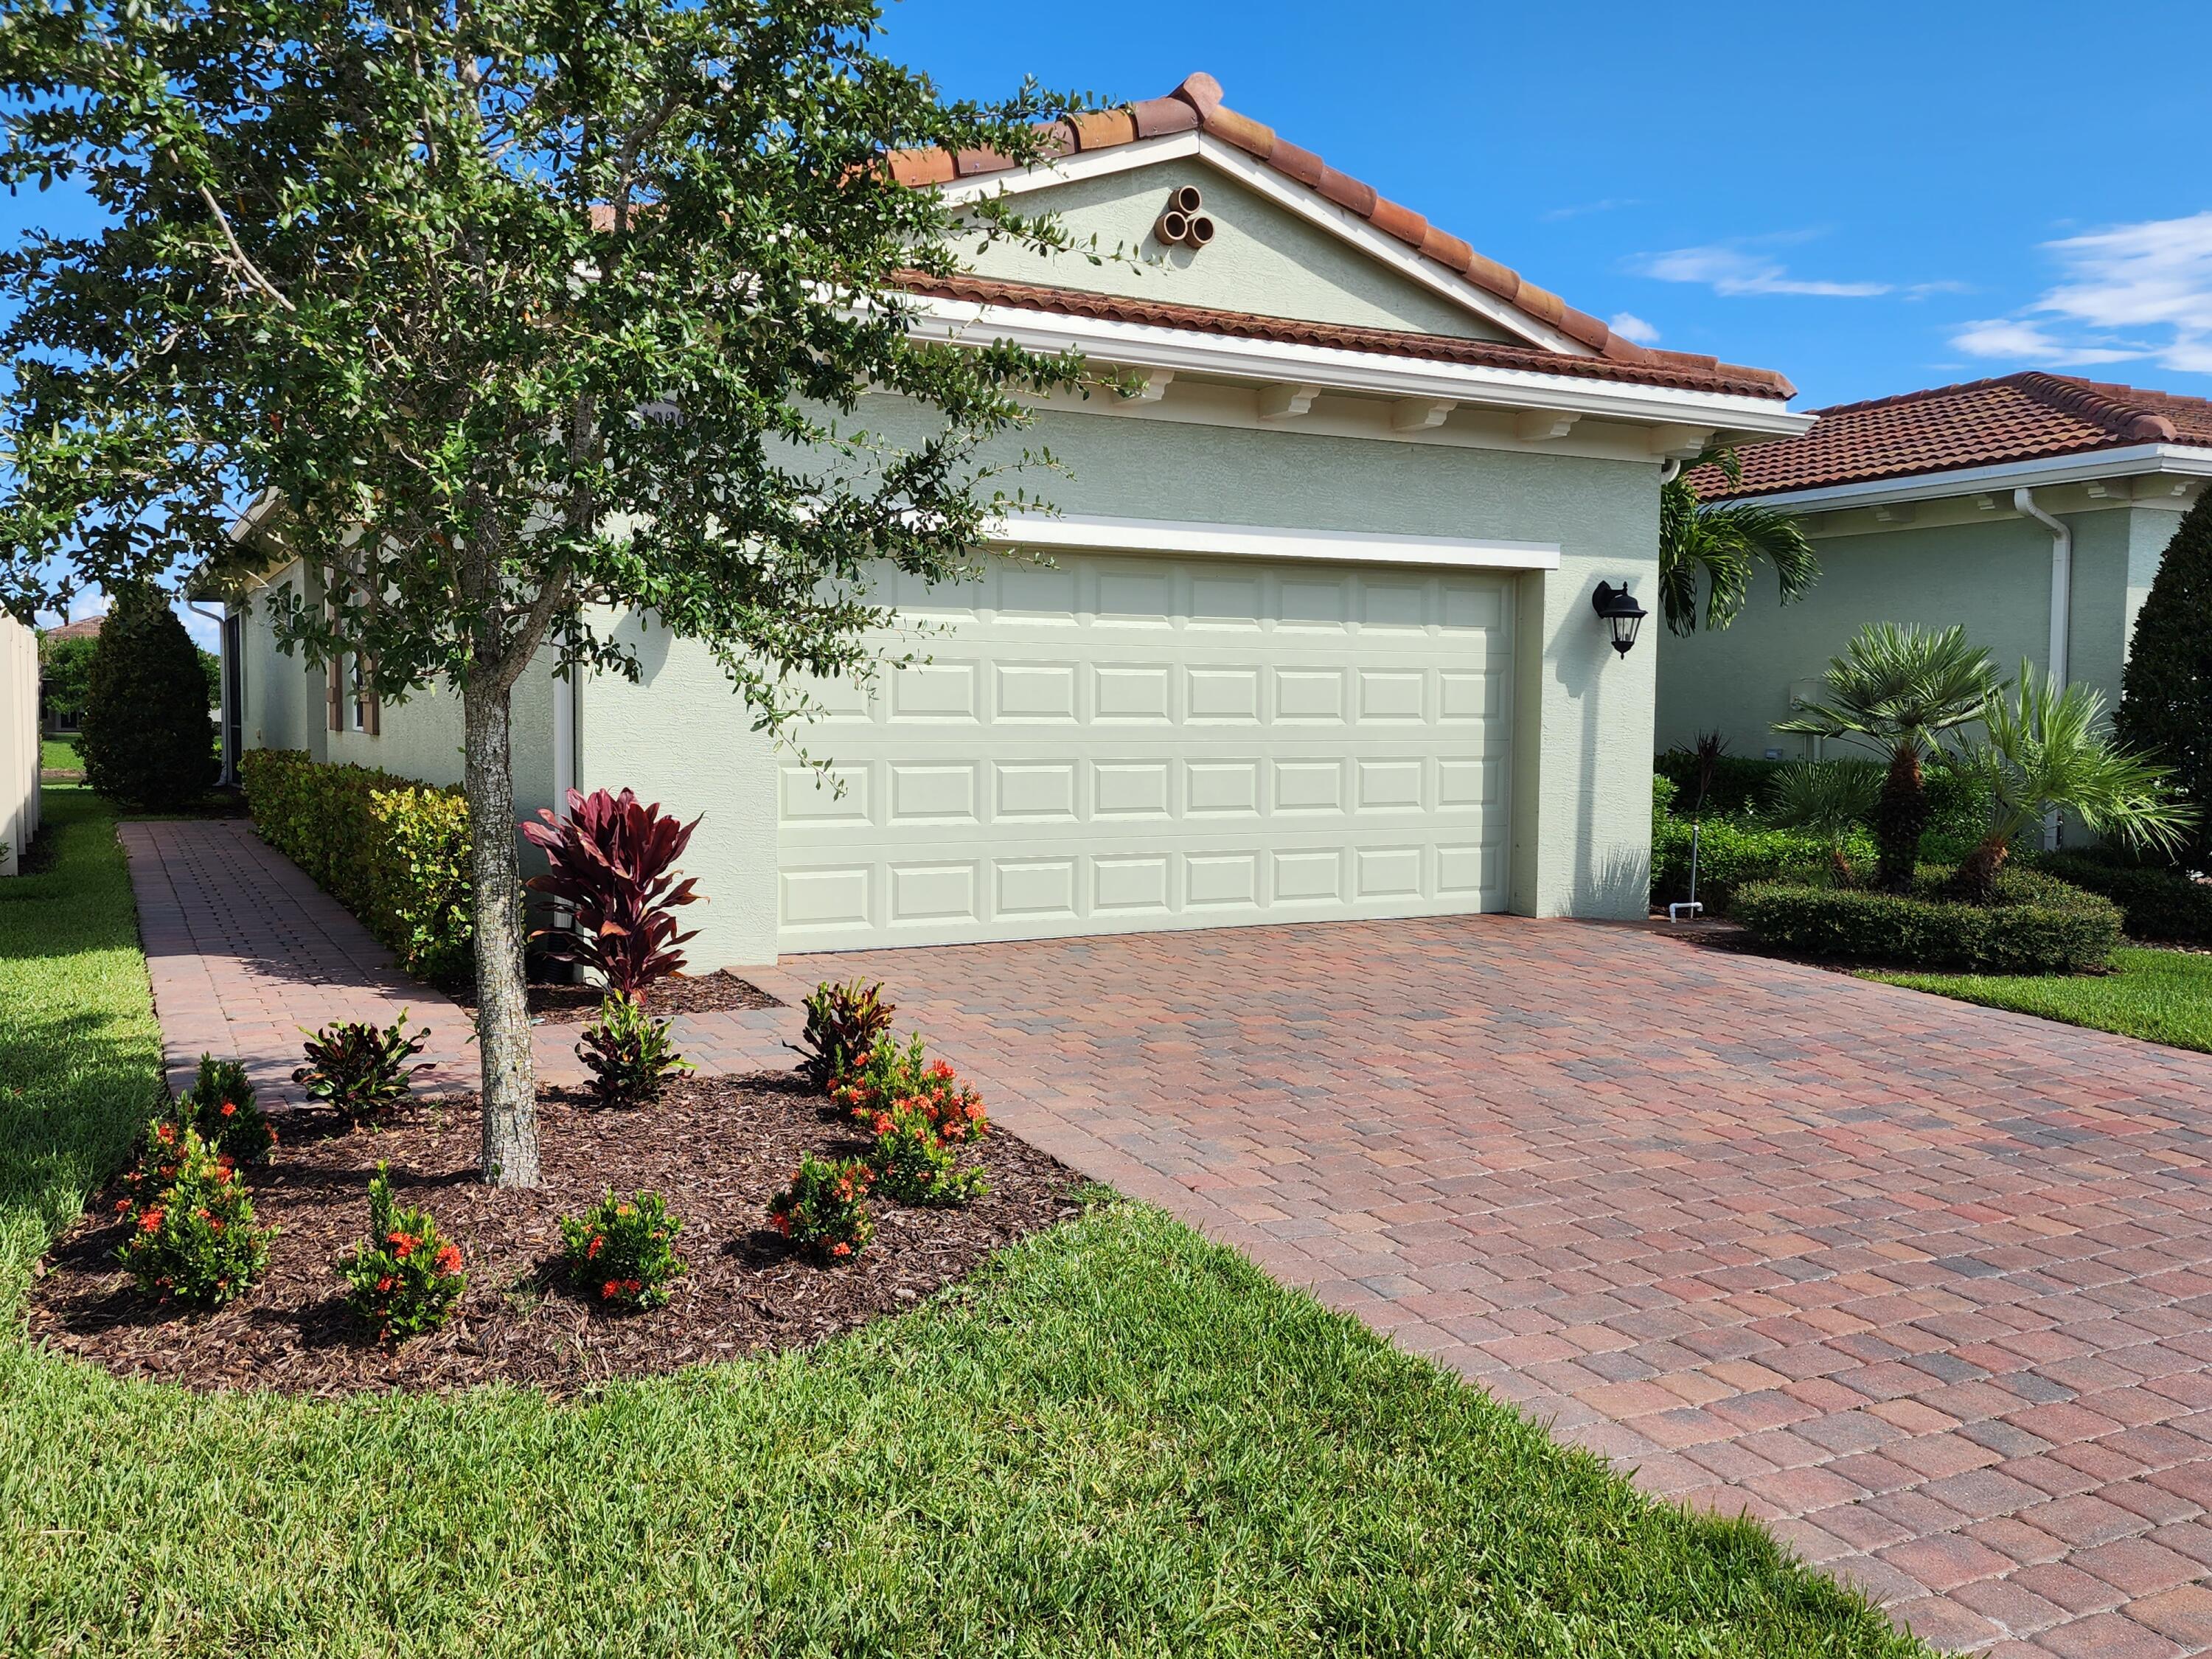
(59, 712)
(1316, 640)
(2034, 509)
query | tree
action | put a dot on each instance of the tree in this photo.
(64, 667)
(144, 733)
(2045, 750)
(508, 318)
(1899, 690)
(1720, 546)
(2166, 689)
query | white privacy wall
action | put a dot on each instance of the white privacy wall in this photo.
(19, 741)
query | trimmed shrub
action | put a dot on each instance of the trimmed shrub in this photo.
(844, 1022)
(622, 1251)
(1958, 802)
(823, 1212)
(1732, 854)
(194, 1236)
(393, 851)
(629, 1055)
(612, 860)
(912, 1164)
(360, 1070)
(2166, 689)
(145, 733)
(222, 1108)
(2158, 900)
(403, 1278)
(2035, 925)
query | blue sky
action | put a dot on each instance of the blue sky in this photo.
(1868, 197)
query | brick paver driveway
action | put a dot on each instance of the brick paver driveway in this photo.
(1923, 1284)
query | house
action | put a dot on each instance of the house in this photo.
(1317, 638)
(2034, 508)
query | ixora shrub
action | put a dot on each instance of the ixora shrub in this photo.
(622, 1251)
(393, 851)
(912, 1164)
(629, 1055)
(824, 1210)
(844, 1022)
(2033, 924)
(145, 733)
(222, 1108)
(613, 862)
(894, 1077)
(193, 1237)
(404, 1278)
(2158, 900)
(360, 1070)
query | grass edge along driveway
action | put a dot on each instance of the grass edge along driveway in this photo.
(1118, 1439)
(2160, 996)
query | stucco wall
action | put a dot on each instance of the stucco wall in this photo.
(1994, 576)
(1263, 258)
(1581, 802)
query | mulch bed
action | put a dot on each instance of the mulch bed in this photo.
(715, 1148)
(575, 1005)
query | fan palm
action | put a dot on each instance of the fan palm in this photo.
(2048, 748)
(1722, 544)
(1898, 689)
(1827, 797)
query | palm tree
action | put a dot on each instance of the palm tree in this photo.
(1898, 690)
(2048, 749)
(1724, 542)
(1827, 797)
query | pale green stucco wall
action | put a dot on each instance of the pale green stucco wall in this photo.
(1993, 577)
(1263, 258)
(1581, 783)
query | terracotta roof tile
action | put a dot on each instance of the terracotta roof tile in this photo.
(1197, 103)
(2017, 417)
(1658, 369)
(84, 628)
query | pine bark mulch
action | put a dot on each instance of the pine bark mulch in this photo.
(715, 1148)
(719, 992)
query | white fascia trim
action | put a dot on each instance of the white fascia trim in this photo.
(2006, 476)
(1119, 535)
(1294, 198)
(1332, 369)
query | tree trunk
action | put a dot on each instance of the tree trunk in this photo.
(1976, 878)
(510, 1082)
(1900, 820)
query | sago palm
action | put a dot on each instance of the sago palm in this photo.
(2048, 748)
(1826, 797)
(1898, 690)
(1722, 544)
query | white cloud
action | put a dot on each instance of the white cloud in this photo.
(1577, 212)
(1735, 270)
(2134, 292)
(1630, 326)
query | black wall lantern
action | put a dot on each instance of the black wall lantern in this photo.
(1621, 612)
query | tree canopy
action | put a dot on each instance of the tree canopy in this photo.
(508, 318)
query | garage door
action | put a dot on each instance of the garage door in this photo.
(1119, 743)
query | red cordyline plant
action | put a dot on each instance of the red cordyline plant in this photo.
(611, 859)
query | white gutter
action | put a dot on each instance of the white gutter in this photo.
(2062, 607)
(2137, 461)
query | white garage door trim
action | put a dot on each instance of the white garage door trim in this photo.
(1123, 742)
(1270, 541)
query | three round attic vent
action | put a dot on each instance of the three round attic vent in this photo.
(1181, 221)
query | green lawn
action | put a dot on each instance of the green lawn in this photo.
(59, 754)
(1118, 1439)
(2165, 996)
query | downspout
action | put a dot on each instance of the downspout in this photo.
(2062, 607)
(222, 684)
(564, 760)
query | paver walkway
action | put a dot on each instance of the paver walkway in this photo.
(1925, 1285)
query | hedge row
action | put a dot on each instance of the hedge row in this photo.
(2158, 900)
(2037, 924)
(1732, 854)
(393, 851)
(1958, 802)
